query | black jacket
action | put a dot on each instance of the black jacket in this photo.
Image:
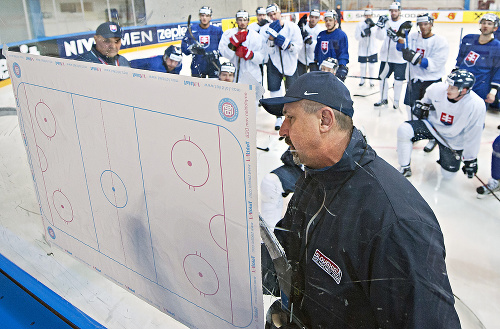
(375, 252)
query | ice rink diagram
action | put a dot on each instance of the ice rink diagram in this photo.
(156, 201)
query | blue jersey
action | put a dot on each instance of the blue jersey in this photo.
(333, 44)
(155, 63)
(481, 60)
(209, 38)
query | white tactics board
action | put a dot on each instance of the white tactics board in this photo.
(150, 179)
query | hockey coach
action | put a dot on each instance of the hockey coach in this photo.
(365, 249)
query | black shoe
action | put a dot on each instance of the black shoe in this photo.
(383, 102)
(361, 84)
(405, 171)
(430, 146)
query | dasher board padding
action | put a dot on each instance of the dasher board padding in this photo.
(150, 179)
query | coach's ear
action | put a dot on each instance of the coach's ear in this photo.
(327, 119)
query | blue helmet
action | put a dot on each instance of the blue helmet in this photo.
(461, 79)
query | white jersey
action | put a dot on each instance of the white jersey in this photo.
(388, 51)
(261, 30)
(460, 123)
(289, 56)
(434, 51)
(313, 32)
(368, 45)
(254, 43)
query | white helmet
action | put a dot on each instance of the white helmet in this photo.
(368, 12)
(490, 17)
(395, 5)
(331, 13)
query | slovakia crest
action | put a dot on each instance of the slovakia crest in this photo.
(113, 28)
(327, 265)
(471, 58)
(324, 46)
(205, 40)
(446, 119)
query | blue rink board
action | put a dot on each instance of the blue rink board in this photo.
(26, 303)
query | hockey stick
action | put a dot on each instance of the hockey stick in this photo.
(457, 156)
(370, 94)
(486, 185)
(282, 266)
(238, 74)
(362, 77)
(263, 149)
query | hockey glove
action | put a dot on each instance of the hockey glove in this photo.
(238, 38)
(302, 21)
(274, 28)
(369, 22)
(411, 56)
(262, 22)
(421, 110)
(392, 35)
(381, 21)
(313, 67)
(470, 168)
(404, 29)
(342, 72)
(366, 32)
(282, 42)
(244, 53)
(306, 37)
(196, 48)
(213, 56)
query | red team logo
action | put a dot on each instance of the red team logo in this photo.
(205, 40)
(471, 58)
(324, 46)
(446, 119)
(421, 51)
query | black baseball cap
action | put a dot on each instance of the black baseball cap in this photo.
(317, 86)
(109, 30)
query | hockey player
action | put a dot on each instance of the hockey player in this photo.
(261, 20)
(259, 28)
(202, 41)
(451, 113)
(329, 65)
(283, 45)
(367, 47)
(493, 184)
(332, 43)
(310, 31)
(227, 71)
(169, 62)
(480, 55)
(426, 54)
(243, 48)
(391, 60)
(107, 43)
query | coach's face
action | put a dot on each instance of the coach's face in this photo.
(107, 46)
(301, 133)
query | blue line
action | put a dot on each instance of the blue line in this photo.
(84, 172)
(145, 199)
(143, 109)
